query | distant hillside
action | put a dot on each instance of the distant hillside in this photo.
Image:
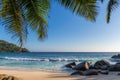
(9, 47)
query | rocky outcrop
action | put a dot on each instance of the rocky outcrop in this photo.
(82, 66)
(86, 73)
(100, 67)
(115, 67)
(116, 56)
(70, 65)
(102, 64)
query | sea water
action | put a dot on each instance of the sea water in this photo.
(50, 61)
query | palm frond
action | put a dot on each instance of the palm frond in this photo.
(36, 12)
(85, 8)
(112, 4)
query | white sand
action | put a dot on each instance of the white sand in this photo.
(41, 75)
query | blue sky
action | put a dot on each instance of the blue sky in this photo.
(68, 32)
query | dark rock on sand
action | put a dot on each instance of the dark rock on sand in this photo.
(104, 72)
(115, 67)
(86, 73)
(77, 73)
(102, 64)
(70, 65)
(6, 77)
(116, 56)
(119, 74)
(90, 72)
(118, 63)
(82, 66)
(91, 66)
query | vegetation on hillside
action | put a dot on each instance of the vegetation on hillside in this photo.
(9, 47)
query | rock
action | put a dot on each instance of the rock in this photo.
(90, 72)
(104, 72)
(116, 56)
(119, 74)
(115, 67)
(82, 66)
(2, 76)
(77, 73)
(70, 65)
(10, 78)
(6, 77)
(91, 67)
(86, 73)
(102, 64)
(118, 63)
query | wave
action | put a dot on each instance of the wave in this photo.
(46, 59)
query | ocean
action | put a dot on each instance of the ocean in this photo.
(50, 61)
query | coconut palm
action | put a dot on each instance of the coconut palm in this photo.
(18, 15)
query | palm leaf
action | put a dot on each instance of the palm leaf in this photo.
(112, 4)
(36, 12)
(85, 8)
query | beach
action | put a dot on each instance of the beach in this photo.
(43, 75)
(49, 66)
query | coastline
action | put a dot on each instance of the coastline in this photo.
(45, 75)
(37, 75)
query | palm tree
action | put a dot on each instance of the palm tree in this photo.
(18, 15)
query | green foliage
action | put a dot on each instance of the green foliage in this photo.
(19, 14)
(85, 8)
(9, 47)
(112, 4)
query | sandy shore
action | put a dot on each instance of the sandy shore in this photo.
(41, 75)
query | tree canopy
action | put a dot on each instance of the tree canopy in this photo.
(10, 47)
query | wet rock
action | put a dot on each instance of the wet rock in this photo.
(115, 67)
(119, 74)
(91, 67)
(70, 65)
(104, 72)
(116, 56)
(77, 73)
(118, 63)
(102, 64)
(82, 66)
(90, 72)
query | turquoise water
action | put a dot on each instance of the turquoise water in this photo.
(50, 61)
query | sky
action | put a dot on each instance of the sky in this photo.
(68, 32)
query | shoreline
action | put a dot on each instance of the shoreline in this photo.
(44, 75)
(29, 69)
(37, 75)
